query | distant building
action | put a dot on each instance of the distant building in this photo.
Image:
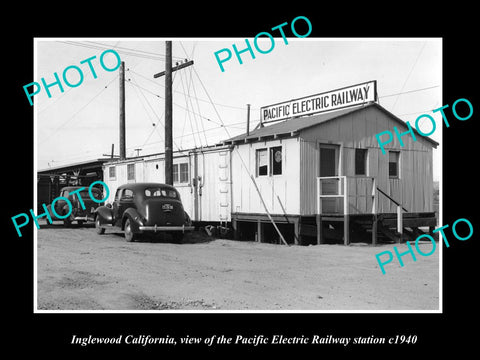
(51, 180)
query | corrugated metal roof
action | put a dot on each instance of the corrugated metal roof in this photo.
(83, 164)
(292, 126)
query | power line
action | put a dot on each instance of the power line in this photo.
(54, 101)
(180, 106)
(411, 70)
(409, 91)
(188, 112)
(78, 111)
(159, 119)
(199, 99)
(90, 46)
(130, 49)
(198, 106)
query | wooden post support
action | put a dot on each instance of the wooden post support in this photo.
(399, 222)
(259, 231)
(374, 230)
(235, 229)
(319, 230)
(346, 229)
(296, 224)
(346, 217)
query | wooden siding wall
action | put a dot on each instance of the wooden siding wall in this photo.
(414, 188)
(286, 186)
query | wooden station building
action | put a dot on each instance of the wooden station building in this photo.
(325, 174)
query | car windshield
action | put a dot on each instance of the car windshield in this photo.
(161, 192)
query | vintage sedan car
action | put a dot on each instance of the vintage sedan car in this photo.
(78, 212)
(140, 208)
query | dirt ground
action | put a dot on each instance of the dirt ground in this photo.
(80, 270)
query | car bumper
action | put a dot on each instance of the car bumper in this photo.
(156, 228)
(83, 218)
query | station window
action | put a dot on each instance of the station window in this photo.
(361, 161)
(269, 161)
(130, 171)
(276, 160)
(262, 162)
(393, 164)
(112, 172)
(180, 173)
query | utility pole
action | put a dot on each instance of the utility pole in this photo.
(168, 109)
(122, 110)
(168, 115)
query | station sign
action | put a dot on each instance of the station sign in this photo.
(331, 100)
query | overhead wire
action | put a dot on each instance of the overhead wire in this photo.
(130, 49)
(188, 112)
(137, 91)
(49, 105)
(176, 104)
(188, 98)
(199, 99)
(188, 85)
(198, 107)
(411, 70)
(410, 91)
(78, 111)
(191, 85)
(159, 118)
(96, 47)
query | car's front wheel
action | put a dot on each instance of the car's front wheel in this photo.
(129, 234)
(98, 228)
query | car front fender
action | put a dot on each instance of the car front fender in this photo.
(104, 214)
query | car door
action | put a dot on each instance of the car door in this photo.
(116, 201)
(123, 200)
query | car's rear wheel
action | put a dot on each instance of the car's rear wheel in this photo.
(129, 235)
(98, 228)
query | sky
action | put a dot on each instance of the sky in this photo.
(210, 105)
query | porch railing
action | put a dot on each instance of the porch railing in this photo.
(346, 195)
(336, 196)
